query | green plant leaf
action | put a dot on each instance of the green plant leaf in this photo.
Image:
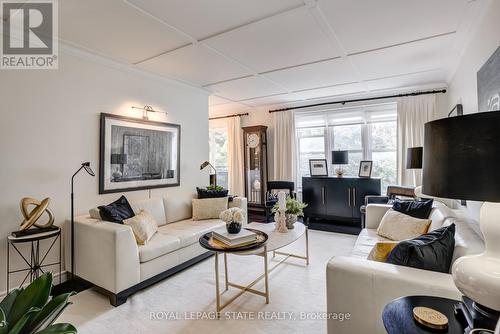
(8, 301)
(35, 295)
(18, 326)
(59, 329)
(49, 313)
(3, 323)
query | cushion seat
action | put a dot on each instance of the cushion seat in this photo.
(366, 241)
(174, 236)
(189, 231)
(160, 244)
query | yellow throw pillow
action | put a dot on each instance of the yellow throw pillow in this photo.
(381, 250)
(398, 226)
(208, 208)
(143, 225)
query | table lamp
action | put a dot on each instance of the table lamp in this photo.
(461, 159)
(414, 157)
(213, 177)
(340, 158)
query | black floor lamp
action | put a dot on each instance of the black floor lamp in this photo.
(86, 166)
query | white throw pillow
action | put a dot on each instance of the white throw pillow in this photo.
(95, 214)
(143, 225)
(208, 208)
(398, 226)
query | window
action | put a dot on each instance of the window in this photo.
(348, 138)
(218, 151)
(368, 133)
(311, 145)
(383, 151)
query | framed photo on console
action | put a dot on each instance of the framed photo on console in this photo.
(318, 167)
(365, 168)
(138, 154)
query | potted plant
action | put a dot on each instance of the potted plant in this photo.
(211, 191)
(294, 209)
(31, 310)
(233, 218)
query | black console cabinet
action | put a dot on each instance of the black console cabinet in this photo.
(337, 200)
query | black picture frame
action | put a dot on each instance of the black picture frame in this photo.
(323, 161)
(363, 163)
(488, 84)
(149, 183)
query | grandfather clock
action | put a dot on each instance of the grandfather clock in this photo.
(255, 164)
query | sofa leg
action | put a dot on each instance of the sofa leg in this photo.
(117, 299)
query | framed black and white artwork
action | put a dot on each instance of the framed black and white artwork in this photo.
(365, 168)
(488, 84)
(318, 167)
(138, 154)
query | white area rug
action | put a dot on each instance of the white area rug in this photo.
(296, 291)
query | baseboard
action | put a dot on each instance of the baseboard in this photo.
(55, 281)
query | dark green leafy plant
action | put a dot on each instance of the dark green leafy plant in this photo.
(217, 188)
(30, 310)
(293, 207)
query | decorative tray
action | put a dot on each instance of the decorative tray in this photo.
(208, 242)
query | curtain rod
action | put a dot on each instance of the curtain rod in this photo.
(228, 116)
(361, 100)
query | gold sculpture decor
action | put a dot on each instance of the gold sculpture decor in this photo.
(31, 217)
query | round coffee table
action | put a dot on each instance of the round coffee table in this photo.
(276, 240)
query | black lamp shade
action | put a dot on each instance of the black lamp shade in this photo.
(205, 164)
(414, 157)
(340, 157)
(462, 157)
(88, 169)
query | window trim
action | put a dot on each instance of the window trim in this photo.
(366, 120)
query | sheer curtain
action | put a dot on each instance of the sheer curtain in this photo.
(235, 156)
(413, 113)
(284, 146)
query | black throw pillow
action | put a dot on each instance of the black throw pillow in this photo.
(431, 251)
(417, 209)
(117, 211)
(205, 193)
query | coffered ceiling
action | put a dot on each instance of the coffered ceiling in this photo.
(249, 53)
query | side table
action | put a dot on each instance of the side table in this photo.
(398, 314)
(35, 262)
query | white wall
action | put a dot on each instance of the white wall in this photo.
(50, 124)
(484, 41)
(463, 86)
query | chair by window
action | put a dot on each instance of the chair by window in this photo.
(273, 188)
(392, 193)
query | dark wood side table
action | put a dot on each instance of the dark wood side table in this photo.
(35, 263)
(398, 315)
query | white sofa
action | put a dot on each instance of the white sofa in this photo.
(107, 255)
(362, 287)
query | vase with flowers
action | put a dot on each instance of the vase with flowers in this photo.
(234, 218)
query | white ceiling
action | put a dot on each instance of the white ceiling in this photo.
(251, 53)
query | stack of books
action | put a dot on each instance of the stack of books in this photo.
(245, 237)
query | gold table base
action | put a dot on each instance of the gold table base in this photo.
(248, 288)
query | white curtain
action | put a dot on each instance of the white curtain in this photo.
(284, 146)
(235, 156)
(413, 113)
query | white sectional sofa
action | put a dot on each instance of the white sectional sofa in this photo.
(363, 287)
(107, 255)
